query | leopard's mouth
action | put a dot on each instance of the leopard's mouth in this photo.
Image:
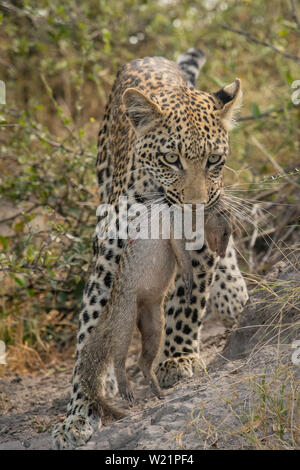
(212, 202)
(171, 200)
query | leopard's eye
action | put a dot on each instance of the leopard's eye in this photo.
(171, 158)
(213, 159)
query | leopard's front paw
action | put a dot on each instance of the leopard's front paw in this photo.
(172, 370)
(74, 431)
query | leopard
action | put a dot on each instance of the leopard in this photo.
(161, 140)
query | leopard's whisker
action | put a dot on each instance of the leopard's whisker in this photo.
(138, 181)
(267, 239)
(259, 183)
(243, 206)
(240, 211)
(239, 217)
(258, 201)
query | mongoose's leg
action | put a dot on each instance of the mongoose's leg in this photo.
(125, 310)
(151, 323)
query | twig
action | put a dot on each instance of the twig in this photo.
(294, 13)
(264, 114)
(288, 233)
(259, 235)
(272, 160)
(20, 213)
(14, 9)
(290, 214)
(19, 11)
(57, 145)
(24, 266)
(266, 194)
(268, 155)
(34, 130)
(262, 43)
(56, 106)
(81, 187)
(253, 237)
(6, 64)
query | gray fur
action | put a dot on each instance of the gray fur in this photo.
(146, 271)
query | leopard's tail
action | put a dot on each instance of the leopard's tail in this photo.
(191, 62)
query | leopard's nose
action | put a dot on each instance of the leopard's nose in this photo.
(195, 203)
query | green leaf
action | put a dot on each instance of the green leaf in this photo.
(216, 81)
(255, 110)
(283, 32)
(30, 254)
(18, 280)
(79, 289)
(18, 227)
(3, 240)
(289, 77)
(62, 297)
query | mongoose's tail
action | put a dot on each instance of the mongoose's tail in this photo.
(191, 62)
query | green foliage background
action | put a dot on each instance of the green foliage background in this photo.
(58, 60)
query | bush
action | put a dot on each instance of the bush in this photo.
(58, 61)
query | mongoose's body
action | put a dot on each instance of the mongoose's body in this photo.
(146, 272)
(147, 269)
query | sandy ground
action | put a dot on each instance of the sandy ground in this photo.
(30, 405)
(246, 396)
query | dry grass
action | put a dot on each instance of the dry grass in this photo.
(30, 350)
(261, 411)
(257, 399)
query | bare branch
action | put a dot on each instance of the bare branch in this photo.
(264, 114)
(262, 43)
(19, 12)
(18, 214)
(33, 129)
(294, 13)
(272, 160)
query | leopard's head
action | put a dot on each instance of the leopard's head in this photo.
(182, 139)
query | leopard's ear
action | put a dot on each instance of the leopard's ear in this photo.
(142, 112)
(229, 102)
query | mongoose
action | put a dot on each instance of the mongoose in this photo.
(218, 230)
(146, 271)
